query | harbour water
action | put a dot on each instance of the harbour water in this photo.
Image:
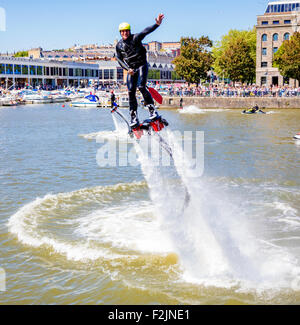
(72, 232)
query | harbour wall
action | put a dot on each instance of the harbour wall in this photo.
(233, 102)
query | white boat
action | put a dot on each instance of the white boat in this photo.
(58, 97)
(9, 101)
(90, 101)
(34, 97)
(123, 100)
(297, 136)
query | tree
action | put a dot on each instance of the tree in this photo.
(287, 58)
(21, 54)
(235, 55)
(195, 59)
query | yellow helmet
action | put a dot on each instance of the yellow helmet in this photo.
(124, 26)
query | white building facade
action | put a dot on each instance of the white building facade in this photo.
(19, 72)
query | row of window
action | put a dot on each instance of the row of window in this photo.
(263, 80)
(106, 74)
(276, 22)
(287, 7)
(275, 37)
(46, 71)
(163, 75)
(264, 50)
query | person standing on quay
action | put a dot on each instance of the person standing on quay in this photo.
(131, 54)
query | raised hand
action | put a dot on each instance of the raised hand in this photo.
(159, 19)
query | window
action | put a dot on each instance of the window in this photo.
(101, 74)
(32, 70)
(46, 71)
(106, 74)
(264, 37)
(264, 51)
(275, 22)
(154, 74)
(286, 36)
(78, 72)
(9, 69)
(263, 81)
(265, 23)
(264, 64)
(17, 69)
(286, 80)
(275, 49)
(39, 70)
(275, 37)
(120, 74)
(287, 21)
(112, 74)
(24, 69)
(71, 72)
(2, 68)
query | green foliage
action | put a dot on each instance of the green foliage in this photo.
(195, 59)
(154, 74)
(287, 58)
(21, 54)
(235, 55)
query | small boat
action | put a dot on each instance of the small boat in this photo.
(123, 100)
(88, 101)
(34, 97)
(10, 101)
(297, 136)
(58, 97)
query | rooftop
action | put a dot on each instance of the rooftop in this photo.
(283, 6)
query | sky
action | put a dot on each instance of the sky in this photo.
(57, 24)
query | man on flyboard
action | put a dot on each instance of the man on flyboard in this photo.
(131, 55)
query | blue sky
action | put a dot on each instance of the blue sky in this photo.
(56, 24)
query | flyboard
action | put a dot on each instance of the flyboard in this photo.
(152, 128)
(297, 136)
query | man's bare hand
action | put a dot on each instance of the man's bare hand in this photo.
(131, 72)
(159, 19)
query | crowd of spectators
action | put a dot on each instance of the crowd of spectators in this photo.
(229, 91)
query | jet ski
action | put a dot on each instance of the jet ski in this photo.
(254, 110)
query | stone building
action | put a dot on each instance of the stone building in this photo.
(279, 22)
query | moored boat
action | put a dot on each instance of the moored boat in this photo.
(90, 101)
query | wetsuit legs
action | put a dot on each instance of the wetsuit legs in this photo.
(131, 85)
(139, 78)
(143, 74)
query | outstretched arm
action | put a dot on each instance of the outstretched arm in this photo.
(150, 29)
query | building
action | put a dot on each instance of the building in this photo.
(19, 72)
(279, 22)
(170, 46)
(154, 46)
(160, 65)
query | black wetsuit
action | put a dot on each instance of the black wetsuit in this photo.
(112, 100)
(131, 54)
